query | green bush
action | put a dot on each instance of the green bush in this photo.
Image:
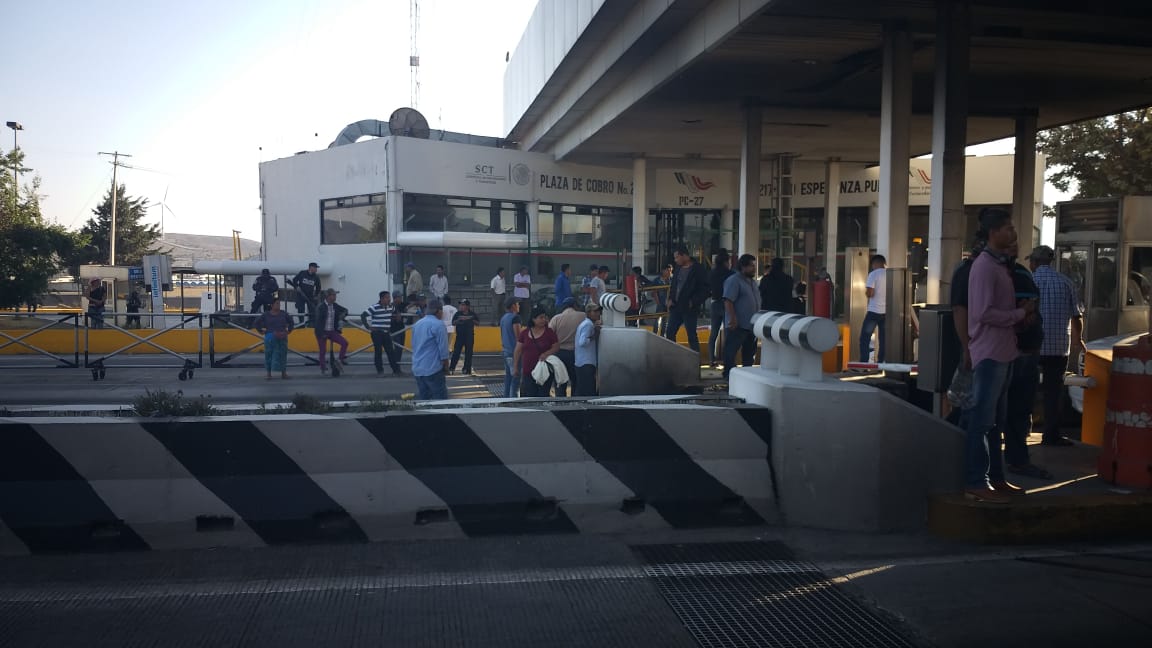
(165, 403)
(308, 404)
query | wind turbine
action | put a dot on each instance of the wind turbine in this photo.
(164, 207)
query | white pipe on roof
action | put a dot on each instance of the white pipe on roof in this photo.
(463, 240)
(250, 268)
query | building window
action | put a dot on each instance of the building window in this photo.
(426, 213)
(354, 219)
(1139, 280)
(583, 227)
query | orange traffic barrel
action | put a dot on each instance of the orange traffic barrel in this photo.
(1126, 453)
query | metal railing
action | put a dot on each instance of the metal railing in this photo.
(61, 319)
(99, 366)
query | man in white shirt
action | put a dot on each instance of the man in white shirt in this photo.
(438, 284)
(448, 312)
(875, 287)
(523, 289)
(415, 282)
(498, 290)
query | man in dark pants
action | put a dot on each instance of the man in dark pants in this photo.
(565, 324)
(776, 288)
(1023, 381)
(1059, 307)
(741, 303)
(875, 289)
(264, 292)
(687, 293)
(465, 322)
(720, 272)
(307, 285)
(377, 318)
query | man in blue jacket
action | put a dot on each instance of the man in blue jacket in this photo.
(563, 287)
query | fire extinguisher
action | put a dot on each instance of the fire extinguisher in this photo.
(822, 297)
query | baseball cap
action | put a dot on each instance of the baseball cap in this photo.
(313, 265)
(465, 301)
(568, 301)
(1042, 253)
(409, 265)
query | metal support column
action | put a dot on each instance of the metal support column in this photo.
(831, 215)
(895, 151)
(640, 213)
(748, 237)
(946, 219)
(1024, 183)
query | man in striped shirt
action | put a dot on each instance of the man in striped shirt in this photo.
(377, 318)
(1059, 307)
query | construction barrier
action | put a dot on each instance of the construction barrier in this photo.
(118, 485)
(1126, 454)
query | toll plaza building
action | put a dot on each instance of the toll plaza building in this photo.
(363, 210)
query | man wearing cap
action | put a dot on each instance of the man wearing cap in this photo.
(307, 285)
(586, 288)
(523, 288)
(264, 291)
(328, 318)
(464, 321)
(430, 354)
(565, 324)
(1062, 316)
(415, 284)
(96, 296)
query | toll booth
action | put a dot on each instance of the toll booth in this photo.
(1105, 246)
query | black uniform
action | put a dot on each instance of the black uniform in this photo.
(465, 324)
(307, 287)
(133, 306)
(265, 292)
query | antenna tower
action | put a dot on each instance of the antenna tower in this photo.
(414, 56)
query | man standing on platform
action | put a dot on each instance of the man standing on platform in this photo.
(741, 303)
(415, 282)
(587, 352)
(876, 289)
(464, 321)
(1060, 312)
(430, 354)
(438, 284)
(688, 292)
(498, 289)
(522, 289)
(565, 324)
(377, 318)
(992, 319)
(720, 273)
(563, 287)
(307, 285)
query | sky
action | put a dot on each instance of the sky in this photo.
(199, 93)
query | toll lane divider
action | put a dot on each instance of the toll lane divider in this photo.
(84, 484)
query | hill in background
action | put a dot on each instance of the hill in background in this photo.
(189, 248)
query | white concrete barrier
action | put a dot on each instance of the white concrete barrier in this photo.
(794, 344)
(615, 306)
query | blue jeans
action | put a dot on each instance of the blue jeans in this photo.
(687, 319)
(715, 350)
(433, 387)
(511, 383)
(1021, 397)
(983, 458)
(872, 321)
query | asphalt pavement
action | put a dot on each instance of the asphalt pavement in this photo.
(747, 587)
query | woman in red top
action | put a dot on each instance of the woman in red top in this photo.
(536, 343)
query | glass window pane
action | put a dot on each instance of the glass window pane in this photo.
(1139, 279)
(1105, 283)
(353, 224)
(1074, 265)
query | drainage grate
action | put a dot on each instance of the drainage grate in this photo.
(758, 594)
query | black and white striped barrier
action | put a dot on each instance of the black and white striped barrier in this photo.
(115, 484)
(793, 345)
(615, 305)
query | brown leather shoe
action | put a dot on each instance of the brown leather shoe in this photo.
(1009, 489)
(987, 495)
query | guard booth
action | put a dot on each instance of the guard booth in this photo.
(1105, 246)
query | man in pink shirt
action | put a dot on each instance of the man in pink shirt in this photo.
(992, 320)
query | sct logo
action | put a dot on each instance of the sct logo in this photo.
(693, 183)
(483, 169)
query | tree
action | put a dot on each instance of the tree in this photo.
(1109, 156)
(31, 252)
(134, 239)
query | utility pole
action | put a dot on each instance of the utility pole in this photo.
(116, 155)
